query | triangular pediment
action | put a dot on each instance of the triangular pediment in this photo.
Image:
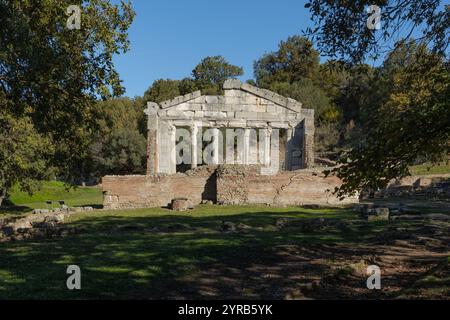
(235, 93)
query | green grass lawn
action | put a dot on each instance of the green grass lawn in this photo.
(424, 169)
(56, 190)
(121, 256)
(140, 264)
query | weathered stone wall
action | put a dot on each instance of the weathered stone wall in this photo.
(242, 106)
(427, 186)
(240, 185)
(228, 184)
(137, 191)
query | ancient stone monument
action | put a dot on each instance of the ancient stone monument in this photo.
(249, 145)
(243, 107)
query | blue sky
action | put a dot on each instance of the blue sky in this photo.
(168, 38)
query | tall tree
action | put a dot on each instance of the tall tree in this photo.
(211, 73)
(294, 60)
(391, 137)
(411, 121)
(23, 153)
(347, 29)
(52, 73)
(118, 146)
(208, 76)
(294, 71)
(162, 89)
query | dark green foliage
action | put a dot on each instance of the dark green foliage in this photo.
(50, 76)
(208, 76)
(122, 151)
(211, 72)
(23, 154)
(340, 27)
(294, 71)
(119, 144)
(410, 120)
(295, 60)
(162, 89)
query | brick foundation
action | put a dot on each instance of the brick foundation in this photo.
(285, 188)
(228, 184)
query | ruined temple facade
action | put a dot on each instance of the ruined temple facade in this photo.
(272, 166)
(242, 106)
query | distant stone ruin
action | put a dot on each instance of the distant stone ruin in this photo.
(257, 118)
(249, 145)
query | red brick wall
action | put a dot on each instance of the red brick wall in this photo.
(284, 188)
(157, 190)
(229, 185)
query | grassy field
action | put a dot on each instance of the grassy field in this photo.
(156, 253)
(53, 190)
(424, 169)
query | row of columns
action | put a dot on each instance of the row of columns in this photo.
(266, 145)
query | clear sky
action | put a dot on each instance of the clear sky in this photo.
(169, 37)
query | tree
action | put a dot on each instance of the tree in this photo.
(208, 76)
(162, 90)
(310, 95)
(23, 154)
(411, 122)
(118, 145)
(294, 60)
(294, 71)
(211, 73)
(123, 151)
(52, 75)
(341, 27)
(397, 126)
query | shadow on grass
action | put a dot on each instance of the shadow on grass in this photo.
(13, 210)
(262, 263)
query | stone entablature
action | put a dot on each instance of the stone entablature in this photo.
(242, 106)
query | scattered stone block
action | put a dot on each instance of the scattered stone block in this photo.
(22, 224)
(228, 226)
(379, 214)
(59, 218)
(180, 204)
(242, 227)
(281, 223)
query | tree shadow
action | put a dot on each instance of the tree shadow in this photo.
(199, 262)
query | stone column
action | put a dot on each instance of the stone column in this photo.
(173, 155)
(288, 152)
(152, 137)
(246, 146)
(308, 142)
(230, 151)
(194, 132)
(266, 146)
(215, 134)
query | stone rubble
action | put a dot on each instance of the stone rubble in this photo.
(42, 223)
(311, 225)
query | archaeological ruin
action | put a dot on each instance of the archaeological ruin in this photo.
(249, 145)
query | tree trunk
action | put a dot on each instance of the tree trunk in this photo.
(2, 195)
